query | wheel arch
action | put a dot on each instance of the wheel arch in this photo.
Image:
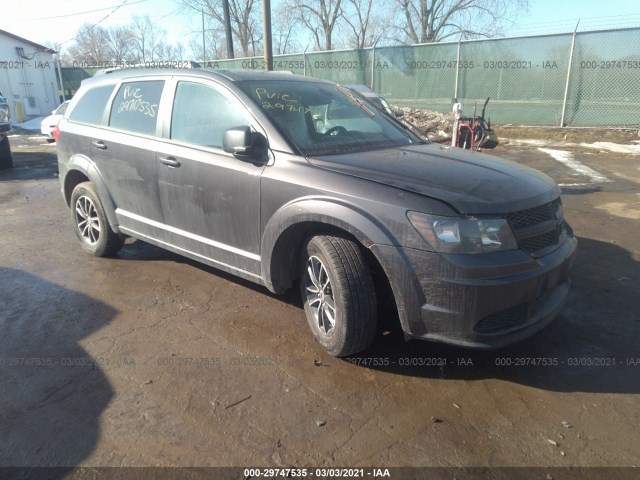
(81, 169)
(284, 235)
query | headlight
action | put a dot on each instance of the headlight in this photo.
(464, 235)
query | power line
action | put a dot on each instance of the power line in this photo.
(104, 18)
(89, 11)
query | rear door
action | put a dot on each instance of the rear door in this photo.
(125, 155)
(210, 199)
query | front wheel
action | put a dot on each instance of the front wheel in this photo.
(90, 222)
(338, 294)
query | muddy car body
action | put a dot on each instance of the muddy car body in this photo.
(232, 169)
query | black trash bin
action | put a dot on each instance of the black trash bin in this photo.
(6, 159)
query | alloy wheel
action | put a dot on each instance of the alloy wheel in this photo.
(320, 296)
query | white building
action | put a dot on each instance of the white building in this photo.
(27, 77)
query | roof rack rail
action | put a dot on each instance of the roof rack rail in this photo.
(151, 64)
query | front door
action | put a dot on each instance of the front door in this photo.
(210, 199)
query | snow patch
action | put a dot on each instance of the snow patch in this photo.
(567, 159)
(525, 141)
(606, 146)
(33, 124)
(613, 147)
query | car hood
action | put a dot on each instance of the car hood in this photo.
(472, 183)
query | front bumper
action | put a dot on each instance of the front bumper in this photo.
(477, 301)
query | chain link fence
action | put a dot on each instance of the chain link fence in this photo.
(586, 79)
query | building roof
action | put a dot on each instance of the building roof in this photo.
(28, 42)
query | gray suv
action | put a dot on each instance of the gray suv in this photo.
(237, 170)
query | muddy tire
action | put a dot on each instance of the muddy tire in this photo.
(338, 294)
(6, 159)
(90, 222)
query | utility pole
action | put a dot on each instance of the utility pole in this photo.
(204, 54)
(227, 28)
(266, 26)
(58, 62)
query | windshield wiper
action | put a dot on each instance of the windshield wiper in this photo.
(355, 100)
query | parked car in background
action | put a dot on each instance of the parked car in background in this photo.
(239, 170)
(47, 125)
(376, 98)
(6, 159)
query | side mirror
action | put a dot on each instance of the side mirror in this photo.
(237, 140)
(398, 112)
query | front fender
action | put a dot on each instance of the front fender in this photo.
(288, 227)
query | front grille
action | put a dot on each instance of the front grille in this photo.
(529, 230)
(533, 216)
(538, 242)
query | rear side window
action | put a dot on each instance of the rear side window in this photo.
(201, 114)
(62, 108)
(135, 107)
(91, 105)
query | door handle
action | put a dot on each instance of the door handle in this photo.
(170, 161)
(100, 145)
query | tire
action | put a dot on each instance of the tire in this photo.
(6, 159)
(90, 222)
(338, 294)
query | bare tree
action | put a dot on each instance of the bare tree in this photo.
(53, 45)
(169, 51)
(319, 18)
(91, 45)
(146, 38)
(215, 42)
(284, 30)
(365, 22)
(424, 21)
(179, 52)
(140, 41)
(119, 43)
(244, 15)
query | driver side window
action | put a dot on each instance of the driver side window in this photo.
(201, 114)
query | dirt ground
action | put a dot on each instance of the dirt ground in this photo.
(149, 359)
(616, 135)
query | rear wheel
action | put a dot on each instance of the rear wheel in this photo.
(90, 222)
(338, 294)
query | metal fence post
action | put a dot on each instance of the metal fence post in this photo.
(455, 91)
(373, 68)
(566, 87)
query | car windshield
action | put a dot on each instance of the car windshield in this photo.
(325, 119)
